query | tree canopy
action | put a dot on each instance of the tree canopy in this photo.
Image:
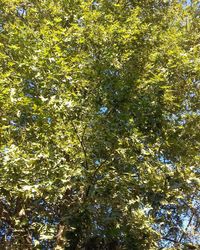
(99, 124)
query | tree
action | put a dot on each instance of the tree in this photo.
(99, 124)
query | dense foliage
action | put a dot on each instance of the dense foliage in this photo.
(99, 124)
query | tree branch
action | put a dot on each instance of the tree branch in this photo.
(80, 139)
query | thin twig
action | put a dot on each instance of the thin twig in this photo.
(80, 139)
